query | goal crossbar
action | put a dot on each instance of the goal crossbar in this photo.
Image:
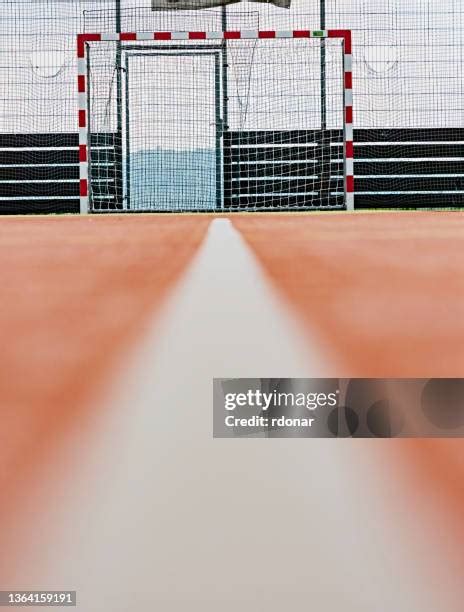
(83, 85)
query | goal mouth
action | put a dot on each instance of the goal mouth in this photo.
(215, 121)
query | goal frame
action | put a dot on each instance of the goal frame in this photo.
(82, 88)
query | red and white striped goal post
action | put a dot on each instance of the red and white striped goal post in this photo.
(83, 39)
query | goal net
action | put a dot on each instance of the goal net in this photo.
(214, 121)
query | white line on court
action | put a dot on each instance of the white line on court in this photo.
(159, 516)
(229, 320)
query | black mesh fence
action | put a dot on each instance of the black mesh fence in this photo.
(408, 67)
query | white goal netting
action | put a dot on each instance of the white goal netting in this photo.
(214, 125)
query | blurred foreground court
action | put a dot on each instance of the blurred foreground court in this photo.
(112, 330)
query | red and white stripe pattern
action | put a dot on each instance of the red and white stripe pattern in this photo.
(83, 39)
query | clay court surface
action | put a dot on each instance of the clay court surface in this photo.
(107, 322)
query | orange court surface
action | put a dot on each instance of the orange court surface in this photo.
(89, 302)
